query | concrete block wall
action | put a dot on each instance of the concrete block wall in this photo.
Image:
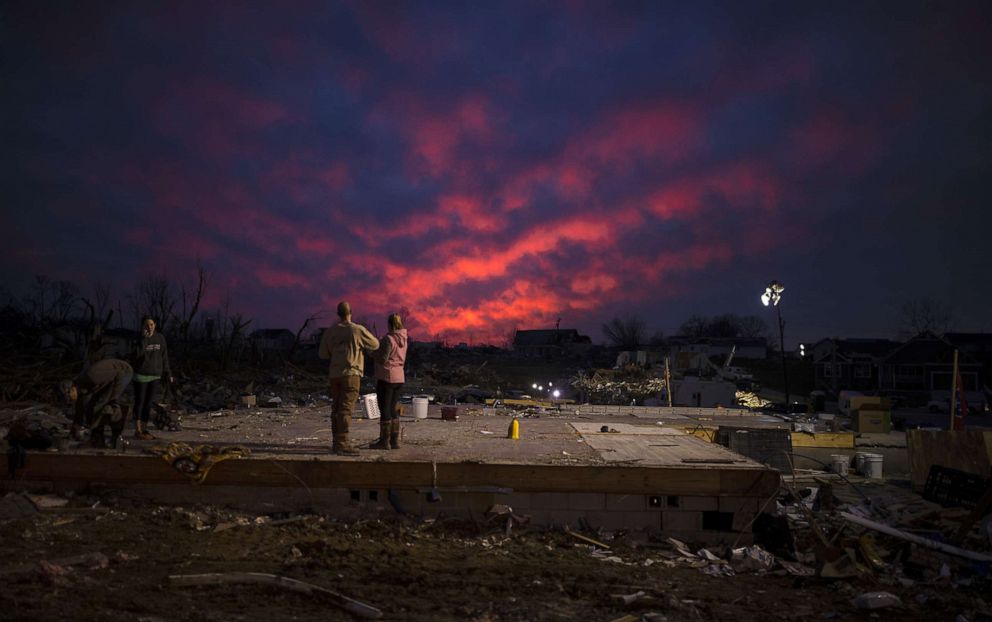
(691, 518)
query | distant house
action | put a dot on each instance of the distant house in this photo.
(978, 346)
(849, 363)
(922, 367)
(271, 340)
(748, 349)
(551, 343)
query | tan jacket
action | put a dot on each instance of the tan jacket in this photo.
(344, 345)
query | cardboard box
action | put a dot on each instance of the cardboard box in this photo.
(872, 421)
(873, 402)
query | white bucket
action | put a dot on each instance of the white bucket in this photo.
(839, 464)
(420, 407)
(873, 466)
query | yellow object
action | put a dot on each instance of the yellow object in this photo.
(195, 462)
(514, 431)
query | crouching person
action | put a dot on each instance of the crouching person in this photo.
(96, 394)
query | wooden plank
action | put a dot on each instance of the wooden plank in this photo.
(967, 450)
(329, 473)
(839, 440)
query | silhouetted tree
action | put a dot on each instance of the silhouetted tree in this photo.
(925, 315)
(627, 333)
(724, 326)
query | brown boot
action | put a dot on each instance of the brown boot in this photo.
(383, 442)
(335, 432)
(394, 434)
(342, 441)
(141, 433)
(343, 447)
(97, 439)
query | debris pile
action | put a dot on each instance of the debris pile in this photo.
(617, 386)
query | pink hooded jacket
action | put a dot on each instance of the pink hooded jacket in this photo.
(391, 356)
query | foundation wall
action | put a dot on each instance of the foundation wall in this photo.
(690, 518)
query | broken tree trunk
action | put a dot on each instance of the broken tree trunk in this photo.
(219, 578)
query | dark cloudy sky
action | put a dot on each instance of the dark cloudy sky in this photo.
(492, 165)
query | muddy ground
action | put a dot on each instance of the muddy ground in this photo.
(410, 569)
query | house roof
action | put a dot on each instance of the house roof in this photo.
(926, 348)
(874, 348)
(977, 343)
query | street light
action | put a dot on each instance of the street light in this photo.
(772, 296)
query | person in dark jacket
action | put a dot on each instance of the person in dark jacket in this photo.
(151, 365)
(96, 394)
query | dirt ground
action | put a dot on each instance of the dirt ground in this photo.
(409, 569)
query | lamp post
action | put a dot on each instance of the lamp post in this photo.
(772, 296)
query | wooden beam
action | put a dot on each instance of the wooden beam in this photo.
(839, 440)
(710, 480)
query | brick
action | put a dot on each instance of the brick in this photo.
(742, 521)
(539, 518)
(588, 501)
(681, 521)
(562, 517)
(626, 503)
(610, 521)
(474, 503)
(738, 504)
(699, 504)
(410, 500)
(642, 521)
(549, 501)
(519, 501)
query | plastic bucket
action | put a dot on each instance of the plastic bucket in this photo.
(839, 464)
(873, 466)
(420, 407)
(859, 462)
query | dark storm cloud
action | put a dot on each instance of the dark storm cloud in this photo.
(500, 166)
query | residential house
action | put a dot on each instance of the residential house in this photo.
(551, 343)
(978, 346)
(851, 364)
(922, 368)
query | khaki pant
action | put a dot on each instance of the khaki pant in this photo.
(344, 392)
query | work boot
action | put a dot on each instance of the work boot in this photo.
(342, 444)
(383, 442)
(394, 434)
(141, 433)
(342, 447)
(96, 439)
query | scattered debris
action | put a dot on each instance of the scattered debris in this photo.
(350, 605)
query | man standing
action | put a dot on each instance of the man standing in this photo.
(344, 344)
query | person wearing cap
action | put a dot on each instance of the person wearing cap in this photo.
(344, 345)
(96, 394)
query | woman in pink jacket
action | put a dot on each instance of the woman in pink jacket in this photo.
(389, 379)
